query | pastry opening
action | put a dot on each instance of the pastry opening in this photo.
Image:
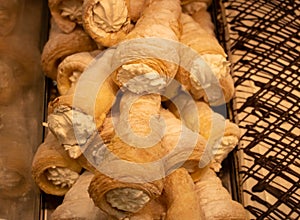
(110, 15)
(61, 176)
(127, 199)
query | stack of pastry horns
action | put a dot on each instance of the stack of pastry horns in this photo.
(132, 134)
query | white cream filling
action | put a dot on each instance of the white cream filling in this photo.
(127, 199)
(110, 15)
(218, 64)
(139, 78)
(201, 77)
(220, 152)
(61, 176)
(205, 75)
(74, 78)
(72, 9)
(62, 123)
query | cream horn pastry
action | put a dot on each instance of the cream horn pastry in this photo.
(70, 69)
(77, 115)
(207, 74)
(77, 204)
(52, 169)
(61, 45)
(138, 130)
(215, 201)
(181, 198)
(220, 133)
(74, 126)
(147, 59)
(130, 173)
(71, 126)
(228, 142)
(122, 199)
(186, 148)
(66, 13)
(106, 21)
(14, 167)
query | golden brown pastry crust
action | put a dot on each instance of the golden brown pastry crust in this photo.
(215, 201)
(203, 41)
(51, 154)
(135, 111)
(181, 197)
(61, 45)
(190, 146)
(215, 129)
(160, 20)
(77, 204)
(102, 184)
(136, 8)
(107, 22)
(154, 210)
(73, 64)
(105, 98)
(134, 122)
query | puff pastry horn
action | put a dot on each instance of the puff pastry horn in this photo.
(215, 201)
(52, 169)
(61, 45)
(208, 76)
(122, 199)
(137, 175)
(76, 116)
(74, 126)
(146, 61)
(220, 133)
(77, 204)
(70, 69)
